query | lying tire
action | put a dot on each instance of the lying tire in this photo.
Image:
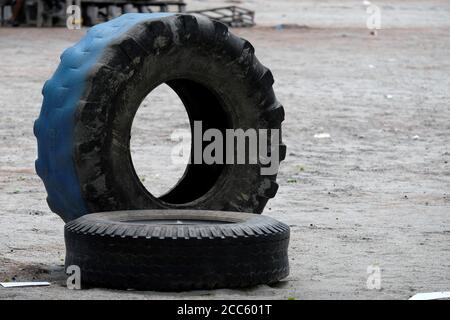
(175, 250)
(83, 130)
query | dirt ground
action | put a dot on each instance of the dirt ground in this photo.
(375, 193)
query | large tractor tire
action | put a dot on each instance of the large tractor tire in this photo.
(83, 130)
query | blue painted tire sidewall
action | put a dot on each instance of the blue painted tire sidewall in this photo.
(55, 126)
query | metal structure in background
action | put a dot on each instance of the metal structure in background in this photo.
(97, 11)
(37, 13)
(3, 4)
(232, 16)
(94, 11)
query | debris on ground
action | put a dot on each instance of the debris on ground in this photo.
(323, 135)
(431, 296)
(24, 284)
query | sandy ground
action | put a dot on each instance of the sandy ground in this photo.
(375, 193)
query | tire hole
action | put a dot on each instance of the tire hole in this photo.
(160, 119)
(161, 141)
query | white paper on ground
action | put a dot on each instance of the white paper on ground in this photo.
(23, 284)
(431, 296)
(322, 135)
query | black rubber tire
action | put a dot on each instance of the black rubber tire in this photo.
(221, 83)
(132, 250)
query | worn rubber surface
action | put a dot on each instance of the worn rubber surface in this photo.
(63, 95)
(177, 250)
(83, 130)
